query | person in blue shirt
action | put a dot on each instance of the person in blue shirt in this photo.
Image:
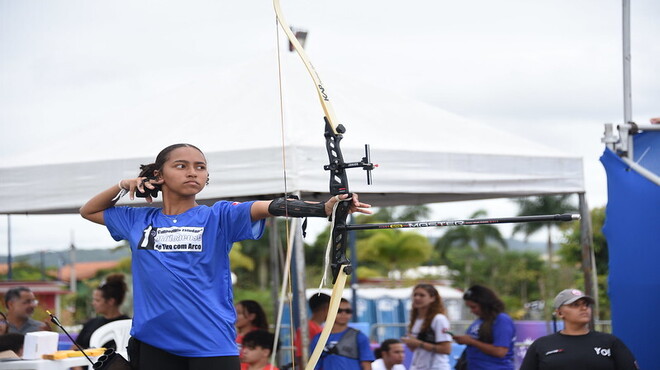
(490, 337)
(183, 300)
(347, 348)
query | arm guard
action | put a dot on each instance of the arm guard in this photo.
(296, 208)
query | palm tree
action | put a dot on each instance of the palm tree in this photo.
(395, 250)
(543, 205)
(477, 237)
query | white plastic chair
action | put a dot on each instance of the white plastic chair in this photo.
(119, 331)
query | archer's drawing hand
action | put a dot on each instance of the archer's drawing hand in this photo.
(139, 184)
(356, 205)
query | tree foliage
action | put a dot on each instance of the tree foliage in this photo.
(571, 255)
(475, 237)
(394, 250)
(543, 205)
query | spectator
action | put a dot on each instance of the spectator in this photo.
(249, 316)
(20, 304)
(318, 304)
(576, 346)
(347, 348)
(490, 337)
(427, 332)
(256, 350)
(389, 356)
(106, 300)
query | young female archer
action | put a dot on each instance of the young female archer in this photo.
(183, 301)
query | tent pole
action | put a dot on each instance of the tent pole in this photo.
(588, 258)
(9, 257)
(627, 89)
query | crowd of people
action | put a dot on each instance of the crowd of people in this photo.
(184, 316)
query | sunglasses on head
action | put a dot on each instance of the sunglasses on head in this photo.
(345, 310)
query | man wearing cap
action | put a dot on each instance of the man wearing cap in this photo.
(575, 346)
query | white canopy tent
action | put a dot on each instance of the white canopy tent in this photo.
(425, 154)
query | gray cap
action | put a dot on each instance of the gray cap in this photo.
(568, 296)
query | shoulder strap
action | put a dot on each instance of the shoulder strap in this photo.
(347, 345)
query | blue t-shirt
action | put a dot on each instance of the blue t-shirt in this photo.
(504, 335)
(182, 291)
(330, 361)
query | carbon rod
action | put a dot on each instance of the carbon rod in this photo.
(468, 222)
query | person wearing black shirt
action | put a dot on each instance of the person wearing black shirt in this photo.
(575, 346)
(106, 300)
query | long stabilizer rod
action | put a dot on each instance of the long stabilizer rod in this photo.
(468, 222)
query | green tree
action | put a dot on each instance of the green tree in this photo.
(475, 237)
(543, 205)
(394, 250)
(315, 253)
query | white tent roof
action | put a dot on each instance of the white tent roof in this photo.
(425, 154)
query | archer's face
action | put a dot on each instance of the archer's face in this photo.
(185, 172)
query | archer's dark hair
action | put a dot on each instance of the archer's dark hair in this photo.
(385, 347)
(147, 170)
(318, 301)
(114, 287)
(490, 306)
(254, 307)
(12, 342)
(259, 338)
(436, 307)
(15, 293)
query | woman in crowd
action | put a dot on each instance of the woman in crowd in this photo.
(576, 346)
(182, 294)
(249, 316)
(427, 331)
(490, 337)
(106, 300)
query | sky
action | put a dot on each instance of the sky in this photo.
(550, 71)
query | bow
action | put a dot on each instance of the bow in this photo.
(338, 242)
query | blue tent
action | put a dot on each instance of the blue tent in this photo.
(633, 238)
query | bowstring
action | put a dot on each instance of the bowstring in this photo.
(286, 288)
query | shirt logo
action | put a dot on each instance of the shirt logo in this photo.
(172, 239)
(607, 352)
